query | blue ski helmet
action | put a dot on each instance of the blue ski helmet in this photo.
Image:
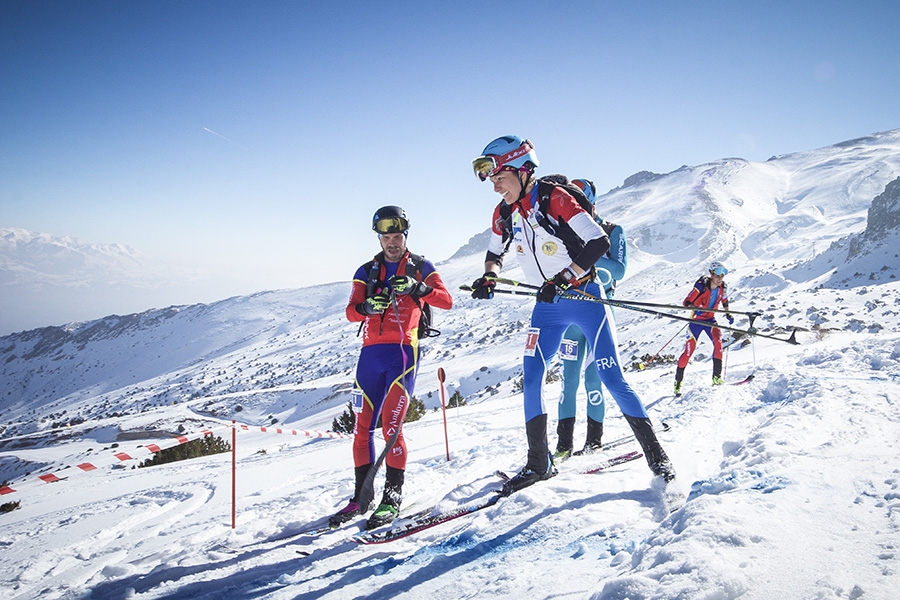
(390, 219)
(509, 151)
(587, 186)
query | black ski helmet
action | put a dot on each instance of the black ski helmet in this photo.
(390, 219)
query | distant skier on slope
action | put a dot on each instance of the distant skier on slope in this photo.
(708, 293)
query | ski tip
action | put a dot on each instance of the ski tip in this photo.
(793, 338)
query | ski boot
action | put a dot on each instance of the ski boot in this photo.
(353, 508)
(384, 514)
(565, 428)
(592, 444)
(389, 508)
(539, 465)
(656, 457)
(345, 514)
(526, 477)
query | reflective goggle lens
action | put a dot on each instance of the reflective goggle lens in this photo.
(391, 225)
(484, 166)
(488, 166)
(720, 271)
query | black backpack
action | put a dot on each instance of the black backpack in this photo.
(574, 244)
(413, 269)
(702, 284)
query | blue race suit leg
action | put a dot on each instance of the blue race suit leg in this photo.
(596, 404)
(600, 328)
(571, 374)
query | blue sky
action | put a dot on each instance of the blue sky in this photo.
(258, 138)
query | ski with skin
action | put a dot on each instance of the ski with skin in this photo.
(290, 538)
(317, 531)
(429, 521)
(361, 526)
(313, 532)
(747, 379)
(618, 460)
(615, 443)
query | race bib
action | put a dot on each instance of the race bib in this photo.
(531, 340)
(568, 350)
(357, 398)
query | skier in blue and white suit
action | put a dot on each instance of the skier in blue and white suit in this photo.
(573, 351)
(557, 252)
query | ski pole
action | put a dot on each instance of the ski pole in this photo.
(725, 362)
(441, 377)
(652, 358)
(367, 490)
(751, 331)
(469, 288)
(750, 314)
(591, 298)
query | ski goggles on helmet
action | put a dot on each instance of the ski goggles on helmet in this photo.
(392, 225)
(720, 271)
(489, 165)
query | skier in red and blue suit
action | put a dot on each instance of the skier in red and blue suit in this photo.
(387, 297)
(707, 295)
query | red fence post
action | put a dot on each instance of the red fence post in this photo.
(441, 377)
(233, 474)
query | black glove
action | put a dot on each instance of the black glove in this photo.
(483, 287)
(730, 318)
(403, 284)
(562, 281)
(374, 305)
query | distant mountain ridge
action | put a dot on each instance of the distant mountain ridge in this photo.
(39, 272)
(27, 257)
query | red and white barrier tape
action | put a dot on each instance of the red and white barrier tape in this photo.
(315, 434)
(121, 456)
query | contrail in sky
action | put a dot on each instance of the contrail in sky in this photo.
(230, 141)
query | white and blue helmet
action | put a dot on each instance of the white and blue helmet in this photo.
(717, 268)
(509, 152)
